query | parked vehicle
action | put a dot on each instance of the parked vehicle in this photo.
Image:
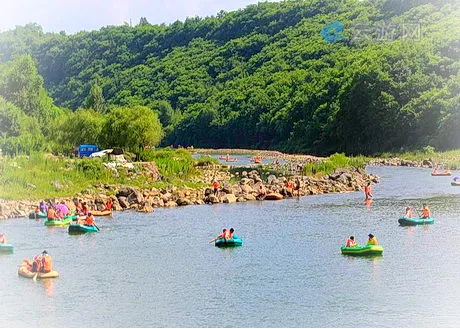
(100, 154)
(85, 150)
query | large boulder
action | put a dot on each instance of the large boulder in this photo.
(246, 189)
(229, 198)
(271, 179)
(122, 200)
(212, 199)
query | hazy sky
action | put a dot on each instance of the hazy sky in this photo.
(76, 15)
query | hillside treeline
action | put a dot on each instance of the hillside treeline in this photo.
(272, 75)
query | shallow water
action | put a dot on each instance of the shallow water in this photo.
(159, 269)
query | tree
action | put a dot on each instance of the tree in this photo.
(132, 128)
(18, 132)
(95, 99)
(143, 21)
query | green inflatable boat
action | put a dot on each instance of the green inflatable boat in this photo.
(63, 222)
(81, 229)
(37, 215)
(6, 247)
(370, 250)
(233, 242)
(415, 221)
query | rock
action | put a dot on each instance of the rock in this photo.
(249, 197)
(166, 197)
(241, 199)
(271, 180)
(229, 198)
(146, 208)
(123, 202)
(125, 191)
(170, 204)
(136, 197)
(246, 189)
(212, 199)
(183, 202)
(246, 181)
(227, 189)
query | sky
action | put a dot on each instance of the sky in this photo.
(72, 16)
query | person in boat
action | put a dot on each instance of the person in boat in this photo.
(368, 191)
(409, 213)
(59, 214)
(426, 212)
(43, 207)
(42, 263)
(79, 207)
(227, 157)
(372, 240)
(89, 220)
(51, 214)
(108, 205)
(64, 208)
(3, 238)
(351, 242)
(229, 234)
(85, 209)
(215, 186)
(220, 236)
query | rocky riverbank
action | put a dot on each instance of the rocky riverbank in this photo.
(241, 187)
(425, 163)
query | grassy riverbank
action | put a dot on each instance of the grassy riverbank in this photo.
(448, 159)
(41, 175)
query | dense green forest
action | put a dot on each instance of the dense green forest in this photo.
(272, 75)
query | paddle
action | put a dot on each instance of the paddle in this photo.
(419, 216)
(35, 276)
(96, 227)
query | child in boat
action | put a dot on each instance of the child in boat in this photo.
(426, 213)
(220, 236)
(372, 240)
(229, 234)
(89, 221)
(351, 242)
(409, 213)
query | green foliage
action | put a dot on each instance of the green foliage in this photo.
(132, 128)
(335, 161)
(428, 150)
(260, 77)
(171, 163)
(95, 99)
(206, 160)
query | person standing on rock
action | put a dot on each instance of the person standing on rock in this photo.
(215, 186)
(297, 187)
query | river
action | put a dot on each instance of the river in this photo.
(159, 269)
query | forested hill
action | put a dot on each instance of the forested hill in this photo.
(273, 75)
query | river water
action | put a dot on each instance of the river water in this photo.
(159, 269)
